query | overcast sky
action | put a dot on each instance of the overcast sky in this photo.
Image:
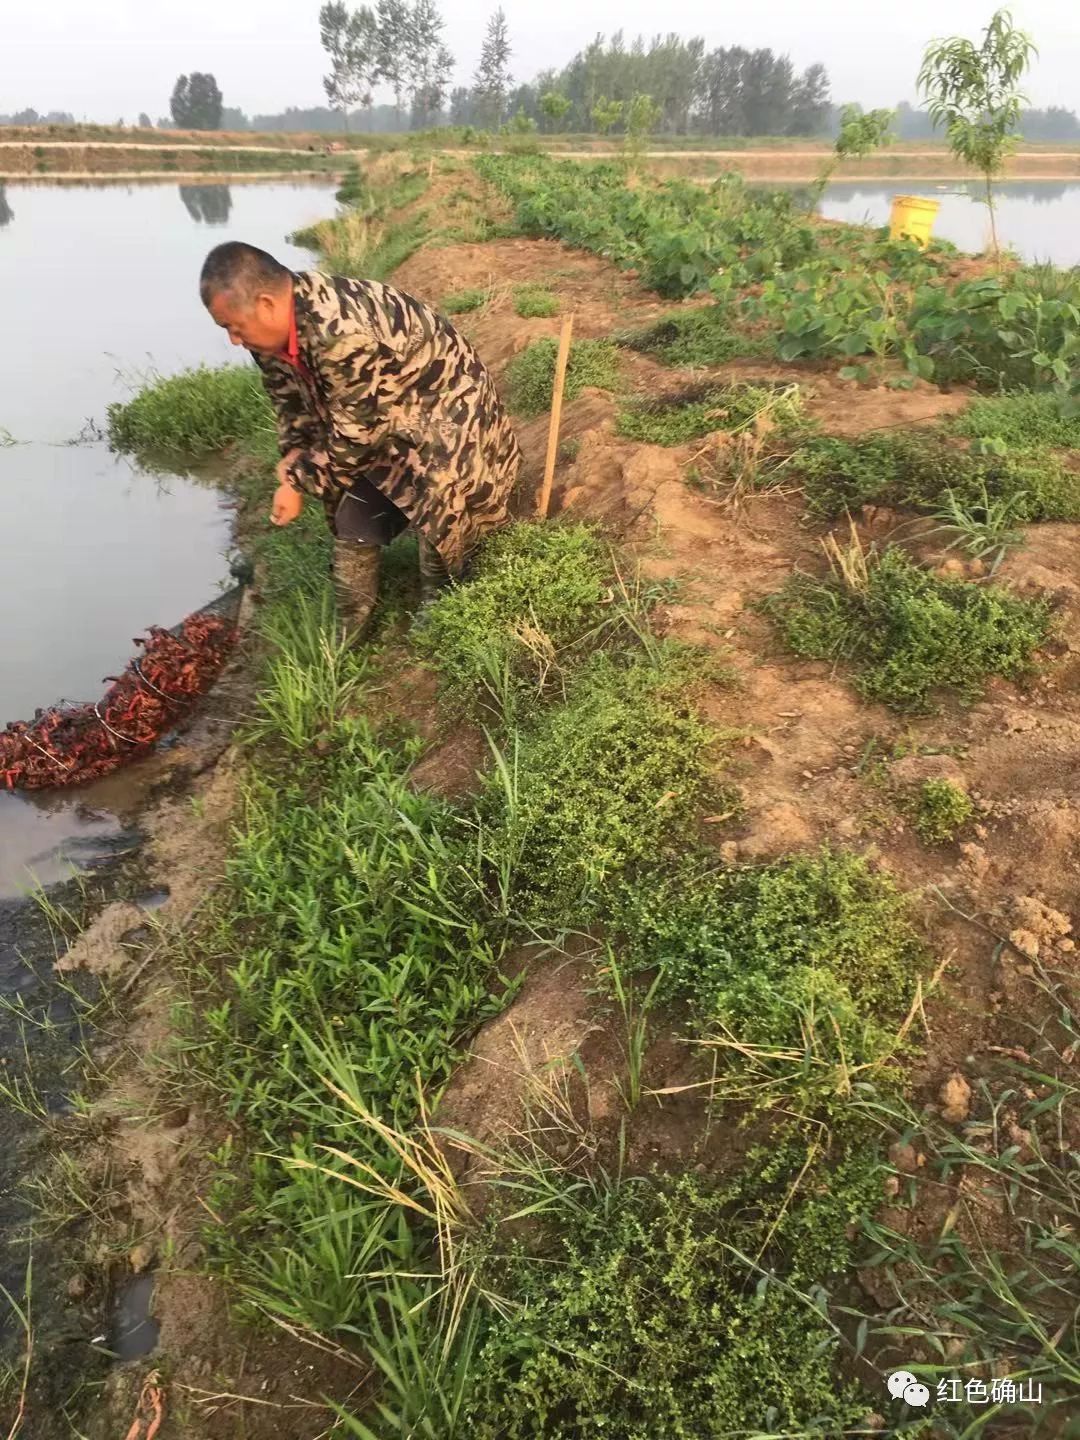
(107, 59)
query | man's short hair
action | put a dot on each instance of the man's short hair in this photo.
(243, 270)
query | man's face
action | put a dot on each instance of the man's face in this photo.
(259, 324)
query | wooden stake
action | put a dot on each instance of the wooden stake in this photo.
(556, 414)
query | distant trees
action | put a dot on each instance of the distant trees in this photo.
(196, 102)
(493, 78)
(145, 123)
(233, 118)
(31, 117)
(728, 91)
(349, 39)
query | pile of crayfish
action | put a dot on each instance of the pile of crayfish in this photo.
(71, 744)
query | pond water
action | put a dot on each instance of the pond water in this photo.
(1040, 220)
(98, 286)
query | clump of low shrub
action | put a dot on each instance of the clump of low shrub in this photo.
(530, 376)
(941, 809)
(607, 780)
(908, 634)
(923, 471)
(534, 590)
(644, 1315)
(188, 416)
(461, 302)
(534, 302)
(703, 410)
(694, 337)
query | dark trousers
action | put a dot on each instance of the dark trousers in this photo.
(365, 515)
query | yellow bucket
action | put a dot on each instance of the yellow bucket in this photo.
(913, 218)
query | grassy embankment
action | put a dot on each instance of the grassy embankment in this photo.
(365, 928)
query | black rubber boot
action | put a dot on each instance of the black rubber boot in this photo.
(434, 576)
(356, 586)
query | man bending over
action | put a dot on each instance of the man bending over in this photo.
(384, 412)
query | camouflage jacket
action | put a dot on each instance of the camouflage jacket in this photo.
(387, 388)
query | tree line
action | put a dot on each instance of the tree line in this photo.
(667, 85)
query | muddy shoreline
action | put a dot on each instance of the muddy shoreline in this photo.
(67, 1044)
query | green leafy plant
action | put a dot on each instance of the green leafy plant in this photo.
(940, 810)
(985, 528)
(861, 133)
(909, 634)
(972, 95)
(530, 376)
(999, 332)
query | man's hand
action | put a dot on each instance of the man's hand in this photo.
(288, 501)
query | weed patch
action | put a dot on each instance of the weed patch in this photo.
(534, 302)
(609, 779)
(692, 337)
(463, 302)
(648, 1315)
(802, 971)
(924, 472)
(537, 592)
(344, 950)
(1028, 418)
(940, 811)
(530, 376)
(193, 414)
(908, 634)
(705, 410)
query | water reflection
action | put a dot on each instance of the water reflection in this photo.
(6, 212)
(207, 204)
(1039, 220)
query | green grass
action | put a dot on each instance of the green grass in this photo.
(535, 302)
(608, 780)
(813, 961)
(647, 1312)
(922, 471)
(704, 410)
(347, 945)
(1028, 418)
(537, 599)
(911, 636)
(462, 302)
(940, 811)
(193, 414)
(530, 376)
(695, 337)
